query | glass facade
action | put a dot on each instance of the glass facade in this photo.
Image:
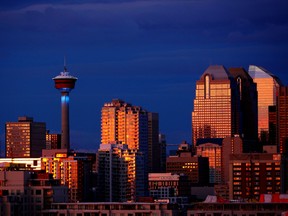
(267, 85)
(215, 111)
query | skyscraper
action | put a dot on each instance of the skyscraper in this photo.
(25, 138)
(267, 85)
(123, 123)
(216, 105)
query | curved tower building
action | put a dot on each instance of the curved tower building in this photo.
(267, 85)
(65, 83)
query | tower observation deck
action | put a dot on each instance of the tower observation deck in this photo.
(65, 83)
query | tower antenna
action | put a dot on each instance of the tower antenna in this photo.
(65, 68)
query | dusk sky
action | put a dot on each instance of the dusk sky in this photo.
(148, 53)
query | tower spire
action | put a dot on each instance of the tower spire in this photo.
(65, 67)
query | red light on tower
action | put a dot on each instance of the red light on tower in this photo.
(65, 83)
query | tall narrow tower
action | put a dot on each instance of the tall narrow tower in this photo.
(65, 83)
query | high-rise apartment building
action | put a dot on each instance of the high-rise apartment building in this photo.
(216, 105)
(74, 169)
(123, 123)
(267, 85)
(121, 173)
(25, 138)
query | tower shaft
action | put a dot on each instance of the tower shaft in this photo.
(65, 138)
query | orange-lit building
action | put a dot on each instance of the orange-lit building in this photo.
(267, 85)
(25, 138)
(73, 168)
(216, 111)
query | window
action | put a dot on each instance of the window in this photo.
(207, 86)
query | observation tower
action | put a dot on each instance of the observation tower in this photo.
(65, 83)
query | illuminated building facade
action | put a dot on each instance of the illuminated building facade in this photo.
(254, 174)
(74, 169)
(121, 173)
(53, 141)
(123, 123)
(25, 138)
(216, 105)
(211, 148)
(196, 168)
(267, 85)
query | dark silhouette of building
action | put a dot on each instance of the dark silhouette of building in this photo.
(25, 138)
(248, 109)
(282, 119)
(196, 168)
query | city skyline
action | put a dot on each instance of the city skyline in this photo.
(148, 53)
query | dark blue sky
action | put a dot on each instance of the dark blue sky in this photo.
(149, 53)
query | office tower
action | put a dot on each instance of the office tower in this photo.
(252, 174)
(73, 168)
(216, 105)
(248, 108)
(154, 146)
(121, 173)
(65, 83)
(28, 193)
(53, 141)
(196, 168)
(211, 148)
(25, 138)
(267, 85)
(282, 120)
(163, 154)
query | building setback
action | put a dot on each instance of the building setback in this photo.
(25, 138)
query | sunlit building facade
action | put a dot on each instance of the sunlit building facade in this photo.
(216, 111)
(25, 138)
(73, 169)
(211, 148)
(121, 173)
(123, 123)
(267, 85)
